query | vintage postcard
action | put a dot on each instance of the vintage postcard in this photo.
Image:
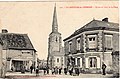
(59, 39)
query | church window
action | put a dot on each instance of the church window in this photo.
(57, 60)
(59, 38)
(92, 62)
(108, 41)
(56, 39)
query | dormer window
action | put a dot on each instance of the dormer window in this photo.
(92, 41)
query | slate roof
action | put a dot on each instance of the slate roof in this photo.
(16, 41)
(96, 25)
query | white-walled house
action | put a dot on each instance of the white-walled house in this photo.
(17, 51)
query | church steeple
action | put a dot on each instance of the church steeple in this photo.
(54, 23)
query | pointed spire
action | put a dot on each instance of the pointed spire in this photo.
(54, 23)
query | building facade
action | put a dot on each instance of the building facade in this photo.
(55, 49)
(115, 63)
(91, 45)
(2, 71)
(17, 51)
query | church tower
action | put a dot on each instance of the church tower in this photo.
(55, 49)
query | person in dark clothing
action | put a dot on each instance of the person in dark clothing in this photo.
(71, 71)
(75, 70)
(37, 71)
(78, 72)
(44, 71)
(56, 70)
(31, 69)
(103, 68)
(47, 71)
(12, 69)
(53, 70)
(60, 70)
(65, 71)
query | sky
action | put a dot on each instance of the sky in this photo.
(35, 18)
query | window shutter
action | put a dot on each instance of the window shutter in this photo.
(108, 41)
(75, 61)
(80, 62)
(86, 61)
(98, 62)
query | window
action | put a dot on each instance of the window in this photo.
(93, 38)
(92, 62)
(62, 59)
(56, 39)
(92, 41)
(25, 52)
(108, 41)
(57, 60)
(70, 46)
(78, 44)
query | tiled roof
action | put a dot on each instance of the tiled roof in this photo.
(96, 25)
(16, 41)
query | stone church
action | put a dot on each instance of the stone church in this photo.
(55, 49)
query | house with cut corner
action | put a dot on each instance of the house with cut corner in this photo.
(91, 45)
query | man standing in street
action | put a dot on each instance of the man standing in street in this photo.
(103, 68)
(31, 69)
(65, 71)
(37, 71)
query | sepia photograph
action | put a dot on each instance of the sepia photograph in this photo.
(55, 39)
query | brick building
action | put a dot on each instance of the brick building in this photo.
(17, 51)
(91, 45)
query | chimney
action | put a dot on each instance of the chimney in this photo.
(105, 19)
(4, 31)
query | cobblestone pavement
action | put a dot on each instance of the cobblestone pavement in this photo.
(28, 75)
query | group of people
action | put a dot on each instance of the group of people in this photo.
(75, 71)
(56, 70)
(37, 70)
(72, 71)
